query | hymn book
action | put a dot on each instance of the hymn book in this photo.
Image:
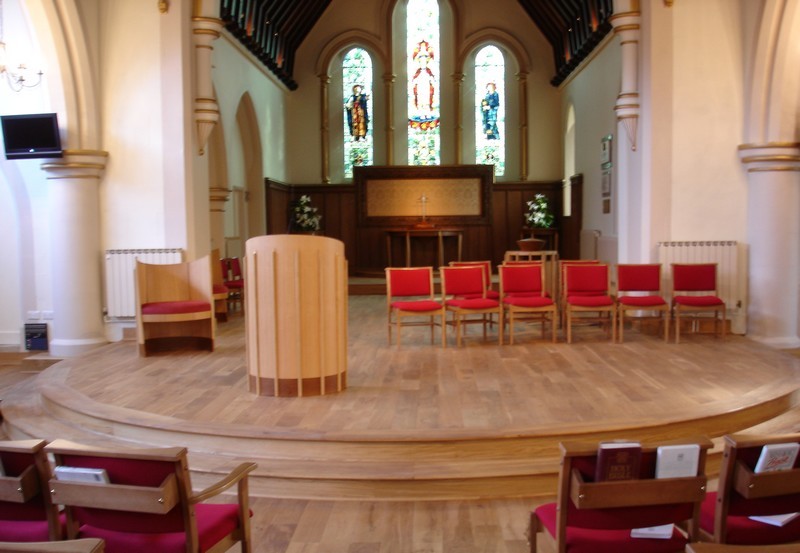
(776, 457)
(672, 461)
(2, 470)
(618, 461)
(81, 474)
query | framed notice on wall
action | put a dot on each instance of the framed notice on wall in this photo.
(605, 151)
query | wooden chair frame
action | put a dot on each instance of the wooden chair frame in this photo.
(461, 310)
(642, 492)
(174, 492)
(85, 545)
(699, 312)
(662, 310)
(220, 292)
(518, 313)
(736, 477)
(606, 314)
(176, 282)
(32, 482)
(396, 315)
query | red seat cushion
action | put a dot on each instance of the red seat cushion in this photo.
(590, 301)
(743, 531)
(238, 283)
(421, 305)
(584, 540)
(528, 301)
(697, 301)
(477, 303)
(642, 301)
(214, 522)
(24, 530)
(173, 307)
(220, 289)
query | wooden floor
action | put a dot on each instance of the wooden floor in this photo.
(444, 449)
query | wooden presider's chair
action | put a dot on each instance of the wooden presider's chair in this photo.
(410, 295)
(174, 304)
(689, 281)
(522, 289)
(639, 289)
(742, 493)
(26, 513)
(595, 517)
(147, 503)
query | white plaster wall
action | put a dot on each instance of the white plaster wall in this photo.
(708, 183)
(592, 92)
(235, 73)
(132, 191)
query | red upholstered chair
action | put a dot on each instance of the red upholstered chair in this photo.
(562, 276)
(524, 299)
(639, 289)
(233, 278)
(26, 513)
(463, 295)
(586, 291)
(694, 290)
(219, 290)
(487, 268)
(741, 493)
(410, 295)
(174, 305)
(597, 517)
(147, 504)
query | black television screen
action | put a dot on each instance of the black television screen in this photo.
(31, 136)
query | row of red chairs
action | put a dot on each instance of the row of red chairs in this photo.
(584, 290)
(131, 499)
(590, 517)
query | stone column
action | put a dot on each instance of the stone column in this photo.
(325, 132)
(205, 30)
(388, 89)
(75, 251)
(217, 197)
(773, 228)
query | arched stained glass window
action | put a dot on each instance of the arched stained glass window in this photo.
(490, 131)
(422, 27)
(357, 92)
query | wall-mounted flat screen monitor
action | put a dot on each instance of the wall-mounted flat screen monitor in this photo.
(31, 136)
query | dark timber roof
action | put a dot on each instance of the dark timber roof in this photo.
(274, 29)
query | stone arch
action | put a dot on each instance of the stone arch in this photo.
(246, 121)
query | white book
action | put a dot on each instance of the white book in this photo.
(80, 474)
(777, 457)
(2, 470)
(775, 520)
(662, 532)
(672, 461)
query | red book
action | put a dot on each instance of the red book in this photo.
(618, 461)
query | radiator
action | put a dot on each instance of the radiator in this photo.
(731, 272)
(119, 277)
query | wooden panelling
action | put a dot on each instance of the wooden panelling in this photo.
(365, 246)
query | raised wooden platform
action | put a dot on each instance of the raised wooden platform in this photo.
(416, 422)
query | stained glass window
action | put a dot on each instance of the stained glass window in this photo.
(490, 124)
(357, 94)
(422, 27)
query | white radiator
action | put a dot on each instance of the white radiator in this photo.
(120, 283)
(731, 263)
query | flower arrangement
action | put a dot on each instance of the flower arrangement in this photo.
(539, 214)
(306, 217)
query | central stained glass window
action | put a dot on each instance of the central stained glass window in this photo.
(422, 27)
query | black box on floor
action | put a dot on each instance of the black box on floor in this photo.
(36, 337)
